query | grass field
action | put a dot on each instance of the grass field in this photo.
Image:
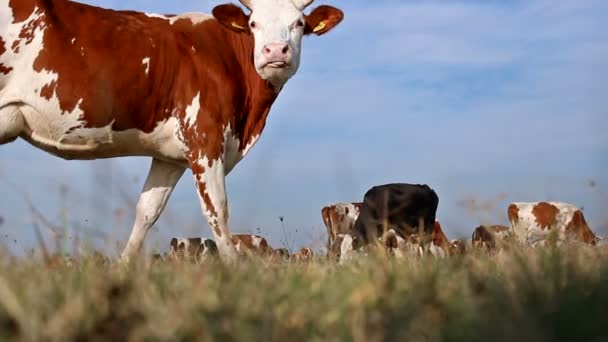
(517, 295)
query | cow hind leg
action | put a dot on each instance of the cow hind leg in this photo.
(159, 185)
(12, 123)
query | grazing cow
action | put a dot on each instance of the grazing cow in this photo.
(339, 218)
(250, 244)
(534, 222)
(439, 247)
(408, 246)
(305, 254)
(192, 249)
(406, 208)
(458, 247)
(400, 247)
(485, 236)
(282, 253)
(191, 91)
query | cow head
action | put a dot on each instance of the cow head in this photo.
(277, 27)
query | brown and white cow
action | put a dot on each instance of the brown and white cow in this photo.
(534, 222)
(252, 245)
(339, 218)
(305, 254)
(440, 246)
(408, 246)
(191, 91)
(485, 236)
(192, 249)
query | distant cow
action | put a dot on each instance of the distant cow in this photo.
(192, 249)
(250, 244)
(534, 222)
(406, 208)
(409, 246)
(305, 254)
(190, 91)
(282, 253)
(440, 245)
(486, 236)
(339, 218)
(402, 248)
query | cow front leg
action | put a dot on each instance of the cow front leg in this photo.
(161, 181)
(211, 188)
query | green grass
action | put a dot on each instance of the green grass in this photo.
(517, 295)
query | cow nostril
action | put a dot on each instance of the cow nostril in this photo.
(266, 50)
(285, 49)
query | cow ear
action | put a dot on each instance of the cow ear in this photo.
(232, 17)
(322, 19)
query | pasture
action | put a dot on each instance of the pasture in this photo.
(525, 295)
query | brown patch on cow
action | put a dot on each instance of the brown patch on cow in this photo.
(21, 9)
(391, 241)
(545, 214)
(48, 90)
(483, 237)
(513, 213)
(173, 244)
(579, 228)
(438, 237)
(3, 68)
(334, 216)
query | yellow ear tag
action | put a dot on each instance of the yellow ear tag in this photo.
(319, 27)
(237, 26)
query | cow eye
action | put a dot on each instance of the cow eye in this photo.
(300, 23)
(252, 24)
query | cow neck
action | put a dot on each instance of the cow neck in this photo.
(260, 95)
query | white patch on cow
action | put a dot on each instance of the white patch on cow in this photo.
(346, 221)
(154, 15)
(22, 60)
(82, 50)
(195, 17)
(146, 63)
(437, 251)
(64, 136)
(250, 145)
(73, 40)
(256, 241)
(347, 249)
(192, 110)
(232, 155)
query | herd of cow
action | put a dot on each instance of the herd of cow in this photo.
(401, 218)
(193, 92)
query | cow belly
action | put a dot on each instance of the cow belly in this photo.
(71, 141)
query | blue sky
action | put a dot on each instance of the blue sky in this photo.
(486, 101)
